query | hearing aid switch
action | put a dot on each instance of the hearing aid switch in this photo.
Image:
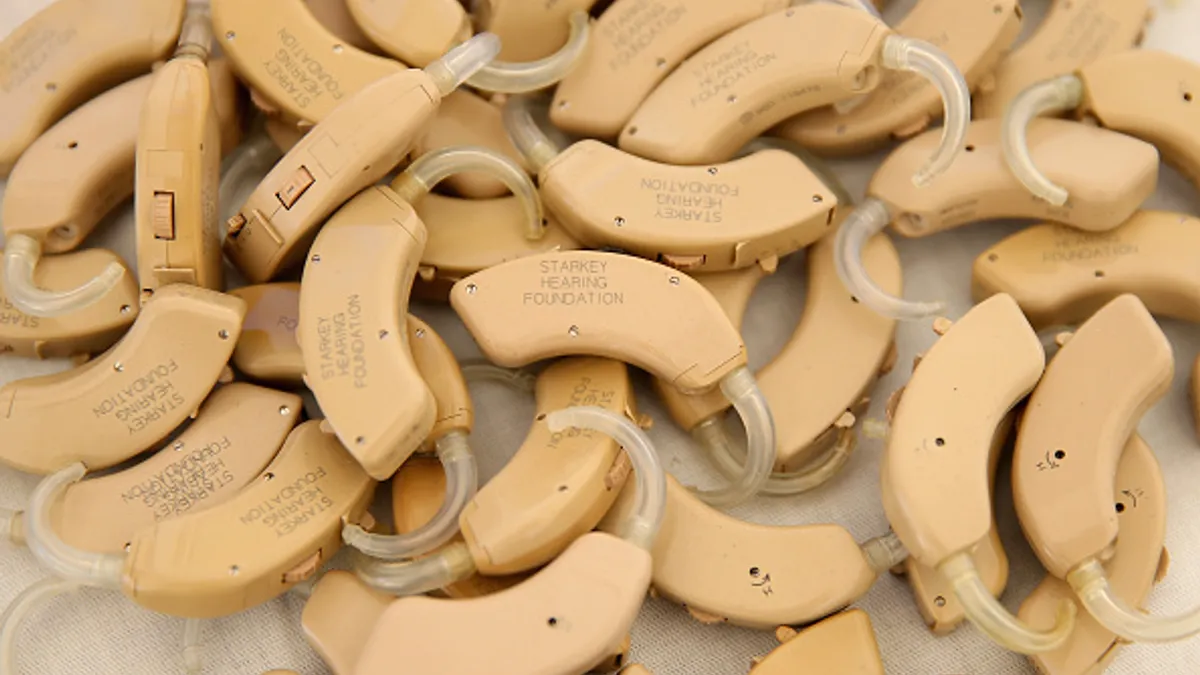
(299, 182)
(164, 215)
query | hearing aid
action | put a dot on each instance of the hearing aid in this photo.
(83, 332)
(129, 398)
(178, 169)
(285, 136)
(781, 65)
(71, 51)
(267, 350)
(1071, 35)
(843, 643)
(416, 34)
(1139, 560)
(935, 471)
(348, 151)
(625, 308)
(1060, 276)
(517, 77)
(1061, 450)
(975, 35)
(335, 16)
(1110, 175)
(465, 118)
(725, 216)
(1146, 94)
(528, 29)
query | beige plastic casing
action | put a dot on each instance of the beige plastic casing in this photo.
(1139, 560)
(622, 307)
(439, 370)
(339, 616)
(1061, 276)
(129, 398)
(751, 210)
(1096, 389)
(558, 485)
(575, 609)
(177, 175)
(974, 34)
(285, 55)
(71, 51)
(466, 118)
(236, 434)
(250, 549)
(1108, 175)
(335, 16)
(268, 349)
(754, 77)
(283, 134)
(528, 29)
(1071, 35)
(843, 644)
(935, 471)
(350, 150)
(89, 330)
(357, 358)
(414, 32)
(633, 46)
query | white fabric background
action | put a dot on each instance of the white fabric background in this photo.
(102, 632)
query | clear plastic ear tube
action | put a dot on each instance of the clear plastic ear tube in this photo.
(12, 526)
(518, 78)
(21, 256)
(525, 133)
(730, 457)
(461, 62)
(195, 36)
(1056, 95)
(1098, 598)
(33, 597)
(479, 370)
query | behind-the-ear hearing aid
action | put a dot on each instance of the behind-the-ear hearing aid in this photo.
(71, 51)
(335, 15)
(267, 349)
(844, 643)
(508, 77)
(1143, 93)
(786, 64)
(1139, 560)
(349, 150)
(283, 134)
(124, 401)
(466, 118)
(935, 473)
(974, 35)
(528, 29)
(417, 34)
(697, 218)
(1061, 276)
(1071, 35)
(1110, 175)
(1112, 369)
(626, 308)
(86, 331)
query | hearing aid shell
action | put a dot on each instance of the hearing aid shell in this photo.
(528, 29)
(267, 349)
(339, 616)
(129, 398)
(466, 118)
(843, 643)
(415, 33)
(335, 16)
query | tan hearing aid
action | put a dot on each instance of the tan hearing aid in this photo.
(1061, 276)
(285, 136)
(1110, 175)
(71, 51)
(935, 473)
(86, 331)
(635, 669)
(528, 29)
(178, 170)
(779, 66)
(415, 33)
(465, 118)
(339, 616)
(1071, 35)
(1139, 560)
(346, 152)
(1143, 93)
(843, 643)
(267, 349)
(335, 16)
(975, 34)
(1114, 368)
(133, 395)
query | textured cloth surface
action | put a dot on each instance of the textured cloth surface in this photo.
(102, 632)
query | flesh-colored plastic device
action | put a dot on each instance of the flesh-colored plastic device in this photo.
(1071, 35)
(1113, 369)
(1061, 276)
(974, 34)
(71, 51)
(625, 308)
(466, 118)
(349, 150)
(267, 349)
(1110, 175)
(285, 136)
(935, 473)
(528, 29)
(779, 66)
(129, 398)
(416, 33)
(83, 332)
(1139, 560)
(1147, 94)
(843, 644)
(335, 16)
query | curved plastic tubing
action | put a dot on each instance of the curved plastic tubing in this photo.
(416, 577)
(29, 599)
(8, 526)
(711, 435)
(463, 61)
(242, 172)
(1098, 598)
(431, 168)
(517, 78)
(462, 481)
(86, 568)
(529, 138)
(21, 255)
(986, 612)
(483, 371)
(1062, 93)
(746, 480)
(922, 58)
(867, 220)
(192, 646)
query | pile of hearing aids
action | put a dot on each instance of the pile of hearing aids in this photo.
(537, 168)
